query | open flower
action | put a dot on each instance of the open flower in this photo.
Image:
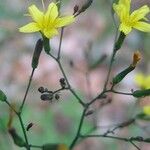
(142, 81)
(46, 22)
(134, 20)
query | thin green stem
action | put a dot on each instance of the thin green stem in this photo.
(79, 129)
(98, 97)
(11, 107)
(35, 146)
(61, 37)
(135, 145)
(115, 137)
(122, 93)
(117, 45)
(24, 131)
(27, 90)
(69, 86)
(110, 68)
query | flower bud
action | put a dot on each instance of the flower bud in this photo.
(16, 138)
(84, 7)
(37, 52)
(62, 82)
(57, 96)
(76, 8)
(46, 97)
(119, 77)
(29, 126)
(141, 93)
(41, 89)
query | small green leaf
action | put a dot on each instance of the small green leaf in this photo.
(2, 96)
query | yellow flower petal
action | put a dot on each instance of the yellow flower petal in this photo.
(121, 12)
(126, 3)
(142, 26)
(50, 32)
(140, 13)
(36, 14)
(51, 14)
(146, 110)
(31, 27)
(63, 21)
(125, 29)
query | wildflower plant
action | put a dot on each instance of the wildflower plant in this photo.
(47, 24)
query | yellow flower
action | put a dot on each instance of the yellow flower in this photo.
(146, 110)
(46, 22)
(133, 20)
(142, 81)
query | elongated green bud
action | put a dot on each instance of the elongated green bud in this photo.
(3, 97)
(37, 52)
(141, 93)
(84, 7)
(16, 138)
(119, 77)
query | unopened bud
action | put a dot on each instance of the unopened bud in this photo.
(84, 7)
(76, 8)
(90, 112)
(119, 77)
(16, 138)
(57, 96)
(37, 52)
(29, 126)
(46, 97)
(41, 89)
(62, 82)
(141, 93)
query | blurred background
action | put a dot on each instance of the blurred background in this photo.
(85, 42)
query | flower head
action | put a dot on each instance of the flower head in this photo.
(46, 22)
(133, 20)
(142, 81)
